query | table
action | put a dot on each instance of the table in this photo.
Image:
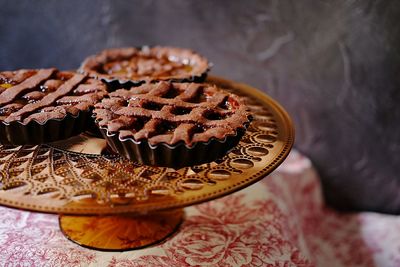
(279, 221)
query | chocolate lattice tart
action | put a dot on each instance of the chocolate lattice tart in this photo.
(172, 124)
(133, 66)
(39, 106)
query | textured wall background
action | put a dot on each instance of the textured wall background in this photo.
(333, 64)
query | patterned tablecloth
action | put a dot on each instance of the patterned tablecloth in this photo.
(280, 221)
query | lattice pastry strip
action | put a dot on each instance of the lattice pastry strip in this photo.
(172, 112)
(44, 94)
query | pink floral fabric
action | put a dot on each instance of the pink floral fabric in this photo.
(280, 221)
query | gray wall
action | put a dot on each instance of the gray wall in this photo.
(333, 64)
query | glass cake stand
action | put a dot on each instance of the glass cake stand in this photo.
(108, 203)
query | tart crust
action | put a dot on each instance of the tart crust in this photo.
(133, 66)
(35, 105)
(173, 118)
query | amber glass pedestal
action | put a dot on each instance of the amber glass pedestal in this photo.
(120, 232)
(109, 203)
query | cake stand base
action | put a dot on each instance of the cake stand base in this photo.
(120, 232)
